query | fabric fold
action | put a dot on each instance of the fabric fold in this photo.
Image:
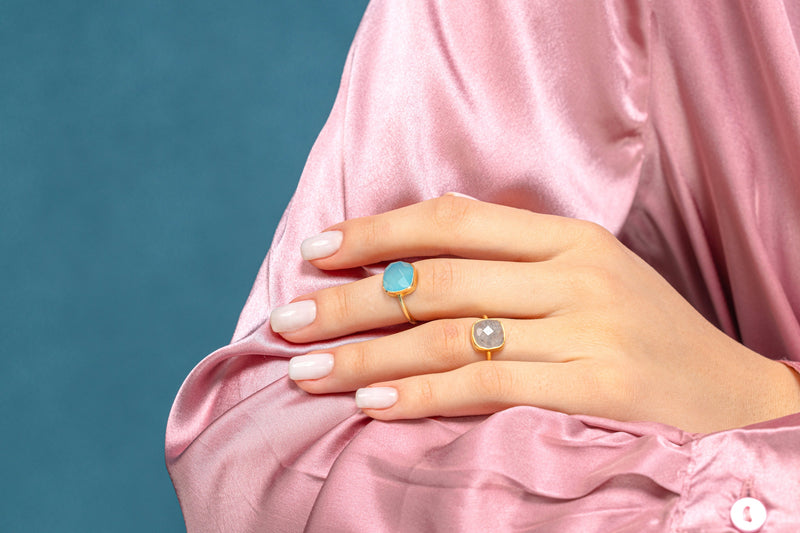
(672, 125)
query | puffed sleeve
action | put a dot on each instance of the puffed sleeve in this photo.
(541, 105)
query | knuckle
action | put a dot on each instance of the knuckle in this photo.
(355, 359)
(448, 340)
(591, 280)
(442, 279)
(594, 236)
(576, 283)
(372, 232)
(425, 396)
(341, 300)
(592, 230)
(592, 333)
(490, 382)
(450, 213)
(598, 277)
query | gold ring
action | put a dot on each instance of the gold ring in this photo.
(488, 336)
(400, 279)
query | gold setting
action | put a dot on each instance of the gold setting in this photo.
(408, 290)
(405, 309)
(487, 351)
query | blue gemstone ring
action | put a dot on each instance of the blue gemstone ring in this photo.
(400, 279)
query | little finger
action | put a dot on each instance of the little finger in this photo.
(483, 388)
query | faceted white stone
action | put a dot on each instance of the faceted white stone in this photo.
(488, 334)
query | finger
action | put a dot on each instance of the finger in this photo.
(438, 346)
(446, 288)
(484, 388)
(448, 225)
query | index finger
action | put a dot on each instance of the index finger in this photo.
(448, 225)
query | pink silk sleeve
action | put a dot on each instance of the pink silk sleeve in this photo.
(675, 125)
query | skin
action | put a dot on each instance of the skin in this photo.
(590, 327)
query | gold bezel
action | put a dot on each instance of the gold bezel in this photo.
(407, 290)
(481, 348)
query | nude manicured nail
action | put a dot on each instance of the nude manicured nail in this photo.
(293, 316)
(376, 397)
(321, 245)
(311, 366)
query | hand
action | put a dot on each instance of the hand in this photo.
(590, 327)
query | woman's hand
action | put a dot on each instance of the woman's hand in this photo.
(590, 328)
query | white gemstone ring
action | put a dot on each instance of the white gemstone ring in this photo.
(488, 336)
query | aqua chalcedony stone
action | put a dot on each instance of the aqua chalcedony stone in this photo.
(398, 277)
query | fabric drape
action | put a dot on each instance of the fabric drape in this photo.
(676, 125)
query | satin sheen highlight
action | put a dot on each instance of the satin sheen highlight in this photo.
(675, 125)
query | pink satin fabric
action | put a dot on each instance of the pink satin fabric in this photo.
(674, 124)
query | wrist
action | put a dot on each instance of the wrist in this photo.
(754, 389)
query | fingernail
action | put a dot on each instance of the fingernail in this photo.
(376, 397)
(321, 245)
(293, 316)
(460, 195)
(311, 366)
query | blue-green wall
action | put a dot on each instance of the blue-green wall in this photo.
(147, 150)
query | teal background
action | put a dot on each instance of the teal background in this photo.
(147, 151)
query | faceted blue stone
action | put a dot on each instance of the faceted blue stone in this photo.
(398, 277)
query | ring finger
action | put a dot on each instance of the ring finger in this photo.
(434, 347)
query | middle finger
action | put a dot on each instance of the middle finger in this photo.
(446, 288)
